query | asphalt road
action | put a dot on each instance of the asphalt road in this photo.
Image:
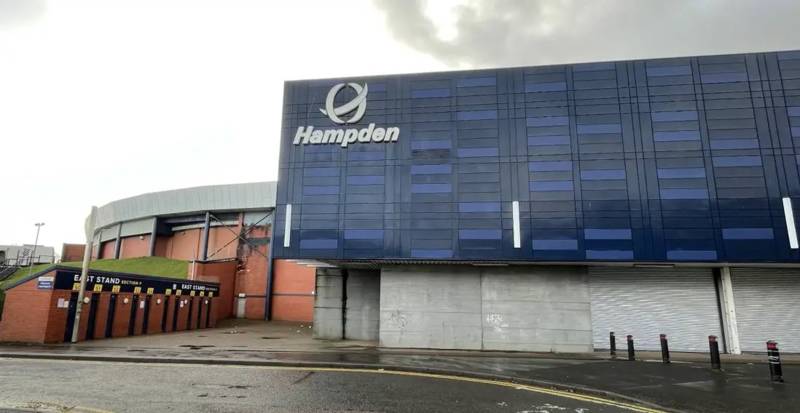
(49, 385)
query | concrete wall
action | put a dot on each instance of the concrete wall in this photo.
(498, 308)
(536, 309)
(362, 312)
(328, 310)
(430, 307)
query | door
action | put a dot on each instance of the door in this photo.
(132, 319)
(112, 310)
(646, 302)
(767, 305)
(73, 304)
(92, 321)
(189, 325)
(241, 303)
(165, 312)
(146, 319)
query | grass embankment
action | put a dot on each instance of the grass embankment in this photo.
(158, 266)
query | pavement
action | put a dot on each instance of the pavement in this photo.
(687, 384)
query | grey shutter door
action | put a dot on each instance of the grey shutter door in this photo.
(767, 307)
(646, 302)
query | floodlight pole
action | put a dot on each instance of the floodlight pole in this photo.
(39, 226)
(87, 256)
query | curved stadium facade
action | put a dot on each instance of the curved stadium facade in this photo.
(540, 208)
(224, 226)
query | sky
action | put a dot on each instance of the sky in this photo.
(106, 99)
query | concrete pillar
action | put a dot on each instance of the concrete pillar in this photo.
(362, 308)
(728, 308)
(153, 236)
(204, 245)
(329, 303)
(99, 244)
(118, 242)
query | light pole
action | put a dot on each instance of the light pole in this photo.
(89, 225)
(39, 226)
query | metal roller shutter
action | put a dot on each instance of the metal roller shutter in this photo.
(767, 307)
(646, 302)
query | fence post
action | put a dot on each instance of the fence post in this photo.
(664, 349)
(631, 354)
(713, 347)
(774, 358)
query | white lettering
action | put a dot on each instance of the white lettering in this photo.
(304, 134)
(392, 134)
(307, 135)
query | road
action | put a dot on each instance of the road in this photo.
(51, 385)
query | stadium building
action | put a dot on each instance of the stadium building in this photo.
(540, 208)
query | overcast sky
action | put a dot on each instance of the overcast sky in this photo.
(105, 99)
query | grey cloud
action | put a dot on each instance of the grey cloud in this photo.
(525, 32)
(18, 12)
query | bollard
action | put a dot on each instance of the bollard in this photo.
(664, 349)
(613, 342)
(631, 355)
(774, 358)
(713, 347)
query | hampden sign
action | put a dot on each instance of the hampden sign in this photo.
(307, 135)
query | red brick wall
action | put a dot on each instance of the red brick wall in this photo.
(182, 311)
(122, 315)
(223, 273)
(26, 313)
(72, 252)
(170, 302)
(292, 291)
(102, 315)
(184, 245)
(107, 250)
(218, 237)
(135, 246)
(57, 320)
(156, 314)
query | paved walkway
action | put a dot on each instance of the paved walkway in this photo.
(688, 384)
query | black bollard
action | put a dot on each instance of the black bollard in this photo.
(631, 355)
(664, 349)
(774, 358)
(713, 347)
(613, 343)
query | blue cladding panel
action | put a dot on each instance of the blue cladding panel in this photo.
(431, 169)
(480, 234)
(747, 233)
(602, 174)
(430, 93)
(555, 244)
(684, 135)
(546, 87)
(430, 188)
(478, 207)
(477, 81)
(680, 173)
(477, 152)
(608, 161)
(549, 166)
(318, 244)
(728, 161)
(363, 234)
(607, 233)
(551, 186)
(600, 128)
(365, 180)
(477, 115)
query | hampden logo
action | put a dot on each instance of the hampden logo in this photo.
(307, 135)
